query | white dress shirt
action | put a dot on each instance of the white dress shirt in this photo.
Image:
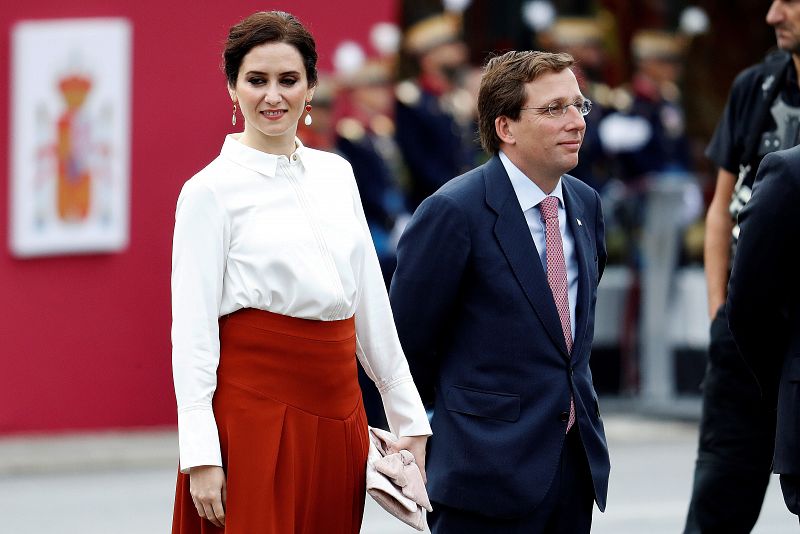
(286, 235)
(530, 196)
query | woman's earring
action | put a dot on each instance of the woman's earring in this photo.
(233, 118)
(308, 120)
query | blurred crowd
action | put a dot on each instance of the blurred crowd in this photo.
(404, 115)
(406, 135)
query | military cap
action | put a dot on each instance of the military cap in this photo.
(573, 31)
(657, 44)
(431, 32)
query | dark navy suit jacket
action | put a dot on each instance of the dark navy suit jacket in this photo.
(764, 296)
(480, 329)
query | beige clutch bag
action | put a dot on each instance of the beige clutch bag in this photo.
(395, 481)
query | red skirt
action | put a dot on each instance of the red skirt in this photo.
(292, 428)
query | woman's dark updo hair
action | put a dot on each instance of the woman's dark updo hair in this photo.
(269, 27)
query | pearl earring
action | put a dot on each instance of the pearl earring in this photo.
(308, 120)
(233, 118)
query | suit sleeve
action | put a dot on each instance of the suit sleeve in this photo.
(762, 268)
(431, 259)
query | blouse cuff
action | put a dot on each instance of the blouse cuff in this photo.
(198, 439)
(404, 410)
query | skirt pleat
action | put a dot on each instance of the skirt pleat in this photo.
(292, 429)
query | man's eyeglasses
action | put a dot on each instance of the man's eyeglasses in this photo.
(557, 110)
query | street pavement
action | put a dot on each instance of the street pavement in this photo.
(124, 483)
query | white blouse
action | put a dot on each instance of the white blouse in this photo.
(287, 235)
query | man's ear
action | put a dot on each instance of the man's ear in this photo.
(504, 130)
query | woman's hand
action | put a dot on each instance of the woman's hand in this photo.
(416, 446)
(207, 488)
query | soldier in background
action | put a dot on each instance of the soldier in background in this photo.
(645, 137)
(583, 39)
(365, 137)
(435, 114)
(648, 135)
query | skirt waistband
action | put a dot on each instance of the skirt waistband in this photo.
(293, 326)
(308, 364)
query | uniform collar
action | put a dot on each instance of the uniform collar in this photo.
(256, 160)
(528, 193)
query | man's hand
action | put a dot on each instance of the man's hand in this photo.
(207, 488)
(416, 446)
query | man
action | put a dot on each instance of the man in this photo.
(365, 137)
(434, 109)
(655, 106)
(494, 299)
(737, 429)
(765, 316)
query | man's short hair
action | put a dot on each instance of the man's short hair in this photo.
(502, 89)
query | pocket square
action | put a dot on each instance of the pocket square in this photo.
(395, 481)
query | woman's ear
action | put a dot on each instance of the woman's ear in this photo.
(310, 93)
(504, 129)
(232, 92)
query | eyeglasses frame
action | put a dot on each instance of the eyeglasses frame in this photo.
(551, 109)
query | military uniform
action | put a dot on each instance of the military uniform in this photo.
(436, 129)
(377, 166)
(667, 150)
(435, 135)
(662, 147)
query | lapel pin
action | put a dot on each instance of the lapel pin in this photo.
(579, 222)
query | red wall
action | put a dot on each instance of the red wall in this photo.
(84, 340)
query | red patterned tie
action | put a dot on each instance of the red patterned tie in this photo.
(557, 276)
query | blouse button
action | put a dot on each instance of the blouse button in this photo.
(294, 157)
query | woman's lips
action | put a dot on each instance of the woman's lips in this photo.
(273, 114)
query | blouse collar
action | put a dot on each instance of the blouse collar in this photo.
(256, 160)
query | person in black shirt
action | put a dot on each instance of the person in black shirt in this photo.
(737, 429)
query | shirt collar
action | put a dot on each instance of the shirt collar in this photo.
(528, 193)
(256, 160)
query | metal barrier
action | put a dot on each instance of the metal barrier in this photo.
(672, 310)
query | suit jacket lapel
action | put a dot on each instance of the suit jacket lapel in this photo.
(514, 237)
(575, 212)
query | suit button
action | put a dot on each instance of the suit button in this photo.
(564, 417)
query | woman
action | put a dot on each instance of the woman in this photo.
(275, 287)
